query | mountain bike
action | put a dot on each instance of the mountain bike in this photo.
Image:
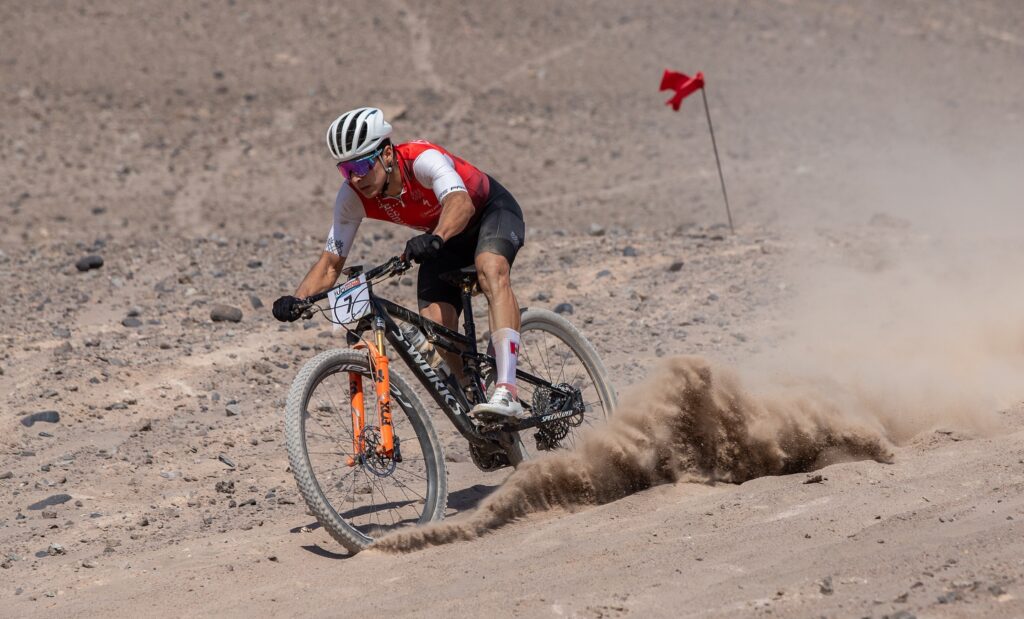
(360, 443)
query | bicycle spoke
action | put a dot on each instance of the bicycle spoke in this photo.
(550, 358)
(372, 501)
(547, 360)
(387, 501)
(343, 477)
(416, 475)
(404, 487)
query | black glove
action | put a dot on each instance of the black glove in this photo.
(288, 309)
(423, 247)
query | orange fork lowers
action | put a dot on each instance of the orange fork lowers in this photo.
(382, 385)
(355, 391)
(382, 380)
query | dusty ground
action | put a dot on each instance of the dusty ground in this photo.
(183, 144)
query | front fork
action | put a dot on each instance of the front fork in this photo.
(355, 391)
(382, 387)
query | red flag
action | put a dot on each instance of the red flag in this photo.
(683, 84)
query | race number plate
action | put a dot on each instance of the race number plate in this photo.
(350, 301)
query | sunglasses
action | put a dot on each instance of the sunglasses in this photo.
(359, 167)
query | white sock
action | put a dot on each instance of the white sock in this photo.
(506, 352)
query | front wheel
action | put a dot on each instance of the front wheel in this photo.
(357, 497)
(553, 349)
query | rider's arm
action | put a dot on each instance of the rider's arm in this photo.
(436, 170)
(348, 213)
(456, 211)
(322, 276)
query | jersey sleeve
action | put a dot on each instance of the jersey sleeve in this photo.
(436, 170)
(348, 214)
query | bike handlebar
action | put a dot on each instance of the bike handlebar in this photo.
(395, 265)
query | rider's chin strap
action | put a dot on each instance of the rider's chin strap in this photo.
(387, 179)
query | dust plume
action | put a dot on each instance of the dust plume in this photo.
(906, 306)
(690, 422)
(903, 314)
(907, 323)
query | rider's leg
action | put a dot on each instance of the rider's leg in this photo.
(502, 233)
(440, 301)
(503, 311)
(447, 315)
(493, 273)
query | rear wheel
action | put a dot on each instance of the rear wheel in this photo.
(553, 349)
(357, 497)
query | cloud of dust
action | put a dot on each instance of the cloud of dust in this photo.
(691, 421)
(914, 318)
(909, 322)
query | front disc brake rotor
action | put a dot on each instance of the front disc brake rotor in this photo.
(379, 464)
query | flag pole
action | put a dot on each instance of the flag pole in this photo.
(718, 162)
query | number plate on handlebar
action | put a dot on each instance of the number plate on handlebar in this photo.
(350, 301)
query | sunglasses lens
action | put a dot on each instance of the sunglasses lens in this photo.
(359, 167)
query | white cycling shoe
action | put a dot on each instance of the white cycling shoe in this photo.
(502, 406)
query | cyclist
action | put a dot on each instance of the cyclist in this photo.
(465, 217)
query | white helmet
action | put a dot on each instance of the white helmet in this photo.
(357, 133)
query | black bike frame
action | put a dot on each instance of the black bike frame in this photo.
(449, 397)
(446, 392)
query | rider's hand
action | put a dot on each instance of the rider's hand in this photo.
(287, 309)
(426, 246)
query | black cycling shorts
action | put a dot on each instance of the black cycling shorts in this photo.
(499, 229)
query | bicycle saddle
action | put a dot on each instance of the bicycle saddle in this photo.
(466, 276)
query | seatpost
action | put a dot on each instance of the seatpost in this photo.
(471, 367)
(467, 314)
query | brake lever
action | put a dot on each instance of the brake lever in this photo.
(308, 312)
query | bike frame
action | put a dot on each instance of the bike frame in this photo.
(446, 393)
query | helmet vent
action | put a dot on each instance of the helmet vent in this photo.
(357, 133)
(361, 136)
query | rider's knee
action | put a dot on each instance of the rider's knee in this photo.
(492, 271)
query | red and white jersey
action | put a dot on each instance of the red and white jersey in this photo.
(429, 173)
